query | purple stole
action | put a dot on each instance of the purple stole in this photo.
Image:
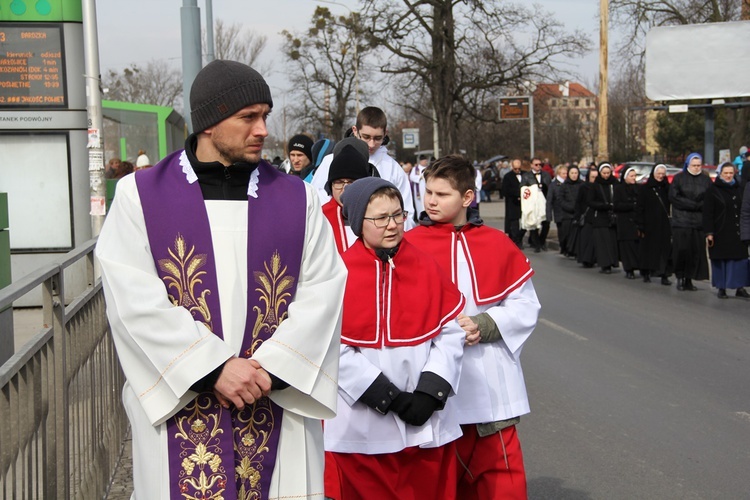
(215, 452)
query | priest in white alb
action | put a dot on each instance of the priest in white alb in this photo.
(224, 292)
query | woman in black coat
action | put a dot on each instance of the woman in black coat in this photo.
(730, 267)
(584, 217)
(625, 198)
(568, 194)
(654, 228)
(686, 193)
(601, 201)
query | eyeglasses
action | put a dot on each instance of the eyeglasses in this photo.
(536, 164)
(340, 183)
(384, 221)
(373, 138)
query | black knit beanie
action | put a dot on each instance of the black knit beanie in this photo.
(347, 164)
(302, 143)
(221, 89)
(358, 144)
(356, 197)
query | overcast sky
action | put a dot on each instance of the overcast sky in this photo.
(136, 31)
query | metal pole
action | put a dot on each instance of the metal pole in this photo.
(190, 16)
(603, 77)
(531, 124)
(435, 135)
(210, 56)
(97, 183)
(708, 138)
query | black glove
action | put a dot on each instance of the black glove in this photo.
(419, 409)
(380, 395)
(401, 402)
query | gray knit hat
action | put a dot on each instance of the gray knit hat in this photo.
(356, 197)
(221, 89)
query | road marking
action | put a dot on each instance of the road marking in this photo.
(743, 415)
(562, 329)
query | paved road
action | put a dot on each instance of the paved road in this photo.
(637, 390)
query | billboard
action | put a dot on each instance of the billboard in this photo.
(698, 61)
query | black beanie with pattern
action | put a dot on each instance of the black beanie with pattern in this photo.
(221, 89)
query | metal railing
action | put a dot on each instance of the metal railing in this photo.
(61, 418)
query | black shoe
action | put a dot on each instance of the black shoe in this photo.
(680, 284)
(537, 250)
(544, 247)
(606, 270)
(741, 292)
(630, 275)
(665, 281)
(689, 285)
(587, 265)
(646, 278)
(722, 293)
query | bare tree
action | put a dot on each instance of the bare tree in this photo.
(233, 43)
(465, 52)
(322, 70)
(155, 83)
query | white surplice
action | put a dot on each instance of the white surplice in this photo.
(163, 351)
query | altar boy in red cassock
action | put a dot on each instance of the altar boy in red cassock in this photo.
(501, 312)
(347, 166)
(400, 361)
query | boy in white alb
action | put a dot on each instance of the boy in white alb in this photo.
(399, 361)
(347, 166)
(501, 312)
(371, 128)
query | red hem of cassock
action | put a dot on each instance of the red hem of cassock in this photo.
(489, 470)
(410, 474)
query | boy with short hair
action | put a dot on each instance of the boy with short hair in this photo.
(399, 362)
(501, 312)
(347, 166)
(372, 128)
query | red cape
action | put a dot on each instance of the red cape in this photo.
(405, 304)
(496, 265)
(332, 211)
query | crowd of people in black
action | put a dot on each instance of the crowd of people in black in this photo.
(657, 228)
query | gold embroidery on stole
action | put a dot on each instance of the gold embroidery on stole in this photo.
(182, 276)
(254, 428)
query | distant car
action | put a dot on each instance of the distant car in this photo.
(643, 170)
(710, 170)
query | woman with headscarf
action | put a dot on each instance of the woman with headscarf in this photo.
(584, 217)
(568, 195)
(653, 221)
(686, 193)
(625, 198)
(601, 201)
(730, 267)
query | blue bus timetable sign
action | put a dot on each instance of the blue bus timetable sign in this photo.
(32, 72)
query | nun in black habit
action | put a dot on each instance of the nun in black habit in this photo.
(601, 202)
(625, 197)
(652, 216)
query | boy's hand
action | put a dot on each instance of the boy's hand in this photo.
(472, 329)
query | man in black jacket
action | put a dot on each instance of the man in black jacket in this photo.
(538, 237)
(511, 189)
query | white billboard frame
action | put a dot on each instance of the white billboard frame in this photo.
(698, 61)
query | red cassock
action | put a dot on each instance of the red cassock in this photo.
(496, 265)
(404, 302)
(332, 212)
